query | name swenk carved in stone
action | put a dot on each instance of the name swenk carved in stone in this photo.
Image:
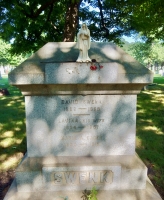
(95, 177)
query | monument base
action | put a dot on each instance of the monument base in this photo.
(149, 193)
(56, 178)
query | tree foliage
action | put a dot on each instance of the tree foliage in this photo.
(146, 53)
(148, 17)
(108, 20)
(6, 58)
(32, 23)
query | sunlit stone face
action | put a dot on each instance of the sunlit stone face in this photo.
(77, 125)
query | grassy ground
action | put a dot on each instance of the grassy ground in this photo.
(12, 127)
(150, 129)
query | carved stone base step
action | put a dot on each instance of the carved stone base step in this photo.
(54, 178)
(149, 193)
(79, 173)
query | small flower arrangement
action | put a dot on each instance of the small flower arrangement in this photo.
(95, 65)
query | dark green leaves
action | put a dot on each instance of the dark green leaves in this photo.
(33, 23)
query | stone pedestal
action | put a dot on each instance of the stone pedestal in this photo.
(81, 125)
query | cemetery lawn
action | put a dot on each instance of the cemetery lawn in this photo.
(150, 131)
(12, 127)
(149, 140)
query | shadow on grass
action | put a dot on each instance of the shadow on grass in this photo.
(150, 133)
(12, 127)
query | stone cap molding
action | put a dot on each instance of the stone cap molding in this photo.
(53, 70)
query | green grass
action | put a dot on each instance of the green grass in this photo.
(13, 90)
(150, 131)
(12, 127)
(159, 80)
(149, 139)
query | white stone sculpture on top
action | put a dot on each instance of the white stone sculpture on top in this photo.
(83, 43)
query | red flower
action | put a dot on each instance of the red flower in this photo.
(93, 67)
(101, 66)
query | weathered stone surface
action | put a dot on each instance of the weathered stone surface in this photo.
(149, 193)
(54, 64)
(74, 73)
(76, 125)
(80, 178)
(80, 173)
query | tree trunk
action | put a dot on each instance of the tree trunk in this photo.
(71, 21)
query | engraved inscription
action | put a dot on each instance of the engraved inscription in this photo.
(81, 101)
(94, 126)
(93, 178)
(58, 177)
(81, 137)
(83, 119)
(105, 178)
(68, 120)
(70, 177)
(89, 109)
(76, 120)
(70, 109)
(83, 177)
(93, 108)
(78, 127)
(81, 107)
